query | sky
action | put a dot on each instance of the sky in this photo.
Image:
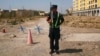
(36, 4)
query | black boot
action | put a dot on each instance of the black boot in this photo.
(57, 52)
(52, 51)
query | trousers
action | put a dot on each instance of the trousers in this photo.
(54, 35)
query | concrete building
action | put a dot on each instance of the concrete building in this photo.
(69, 11)
(41, 13)
(14, 9)
(86, 7)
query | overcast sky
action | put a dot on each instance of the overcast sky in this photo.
(35, 4)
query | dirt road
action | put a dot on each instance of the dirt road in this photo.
(69, 46)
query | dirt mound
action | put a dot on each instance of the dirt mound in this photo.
(82, 21)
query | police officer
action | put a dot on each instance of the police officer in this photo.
(54, 19)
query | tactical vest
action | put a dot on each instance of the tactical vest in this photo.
(54, 25)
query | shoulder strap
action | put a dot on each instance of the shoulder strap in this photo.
(57, 20)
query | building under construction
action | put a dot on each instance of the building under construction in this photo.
(86, 7)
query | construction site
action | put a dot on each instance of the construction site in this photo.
(25, 33)
(75, 36)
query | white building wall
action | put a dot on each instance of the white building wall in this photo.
(92, 12)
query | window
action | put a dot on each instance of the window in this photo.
(95, 1)
(96, 6)
(89, 2)
(89, 7)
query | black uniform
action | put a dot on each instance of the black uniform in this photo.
(54, 30)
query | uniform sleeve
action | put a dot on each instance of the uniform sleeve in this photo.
(62, 19)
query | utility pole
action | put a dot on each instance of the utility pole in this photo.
(61, 10)
(22, 11)
(10, 14)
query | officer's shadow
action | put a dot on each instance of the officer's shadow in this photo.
(71, 51)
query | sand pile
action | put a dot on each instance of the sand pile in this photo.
(82, 21)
